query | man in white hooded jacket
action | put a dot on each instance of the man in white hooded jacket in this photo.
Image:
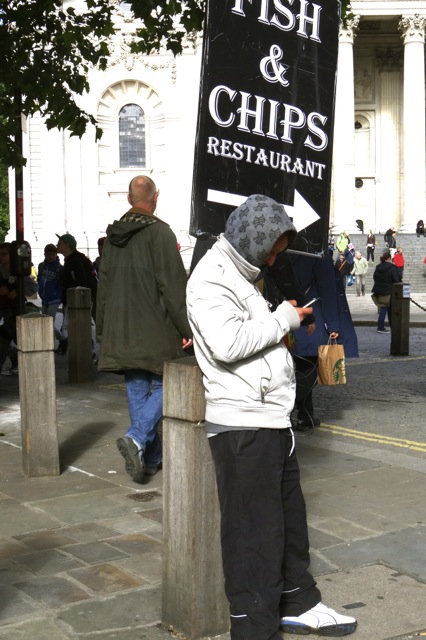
(249, 384)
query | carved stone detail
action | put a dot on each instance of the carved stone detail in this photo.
(364, 81)
(121, 54)
(413, 28)
(348, 32)
(389, 59)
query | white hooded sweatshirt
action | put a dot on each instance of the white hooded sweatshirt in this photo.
(247, 371)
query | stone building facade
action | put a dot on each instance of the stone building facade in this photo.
(147, 107)
(379, 143)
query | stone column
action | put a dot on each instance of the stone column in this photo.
(414, 157)
(389, 64)
(343, 214)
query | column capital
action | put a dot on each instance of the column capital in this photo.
(347, 31)
(413, 28)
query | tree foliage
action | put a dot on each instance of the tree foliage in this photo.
(346, 12)
(167, 23)
(47, 50)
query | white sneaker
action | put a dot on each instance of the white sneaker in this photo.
(320, 620)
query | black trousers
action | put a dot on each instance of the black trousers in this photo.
(306, 380)
(265, 546)
(370, 253)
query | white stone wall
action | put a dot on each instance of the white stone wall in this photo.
(383, 47)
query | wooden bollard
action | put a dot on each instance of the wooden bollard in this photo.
(194, 601)
(37, 391)
(80, 363)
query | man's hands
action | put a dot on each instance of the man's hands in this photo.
(302, 312)
(310, 329)
(186, 343)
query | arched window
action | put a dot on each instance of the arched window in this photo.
(132, 137)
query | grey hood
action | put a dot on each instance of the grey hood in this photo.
(255, 225)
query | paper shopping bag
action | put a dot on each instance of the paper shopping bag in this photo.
(331, 364)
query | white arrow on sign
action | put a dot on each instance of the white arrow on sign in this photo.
(301, 212)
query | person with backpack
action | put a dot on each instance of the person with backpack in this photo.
(78, 272)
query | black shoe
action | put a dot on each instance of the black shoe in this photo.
(383, 331)
(62, 347)
(133, 458)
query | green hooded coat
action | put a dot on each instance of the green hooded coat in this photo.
(141, 304)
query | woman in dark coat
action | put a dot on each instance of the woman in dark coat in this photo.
(303, 278)
(384, 276)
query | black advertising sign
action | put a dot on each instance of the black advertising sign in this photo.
(266, 112)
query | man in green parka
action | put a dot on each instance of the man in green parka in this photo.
(141, 318)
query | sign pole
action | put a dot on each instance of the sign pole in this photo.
(19, 197)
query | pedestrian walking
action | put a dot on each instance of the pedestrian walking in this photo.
(384, 276)
(342, 242)
(343, 267)
(78, 271)
(50, 281)
(399, 261)
(359, 270)
(390, 240)
(141, 319)
(371, 245)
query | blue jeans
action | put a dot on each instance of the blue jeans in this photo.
(382, 317)
(145, 396)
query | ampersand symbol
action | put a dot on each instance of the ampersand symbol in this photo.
(271, 71)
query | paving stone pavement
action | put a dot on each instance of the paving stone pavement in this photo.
(80, 554)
